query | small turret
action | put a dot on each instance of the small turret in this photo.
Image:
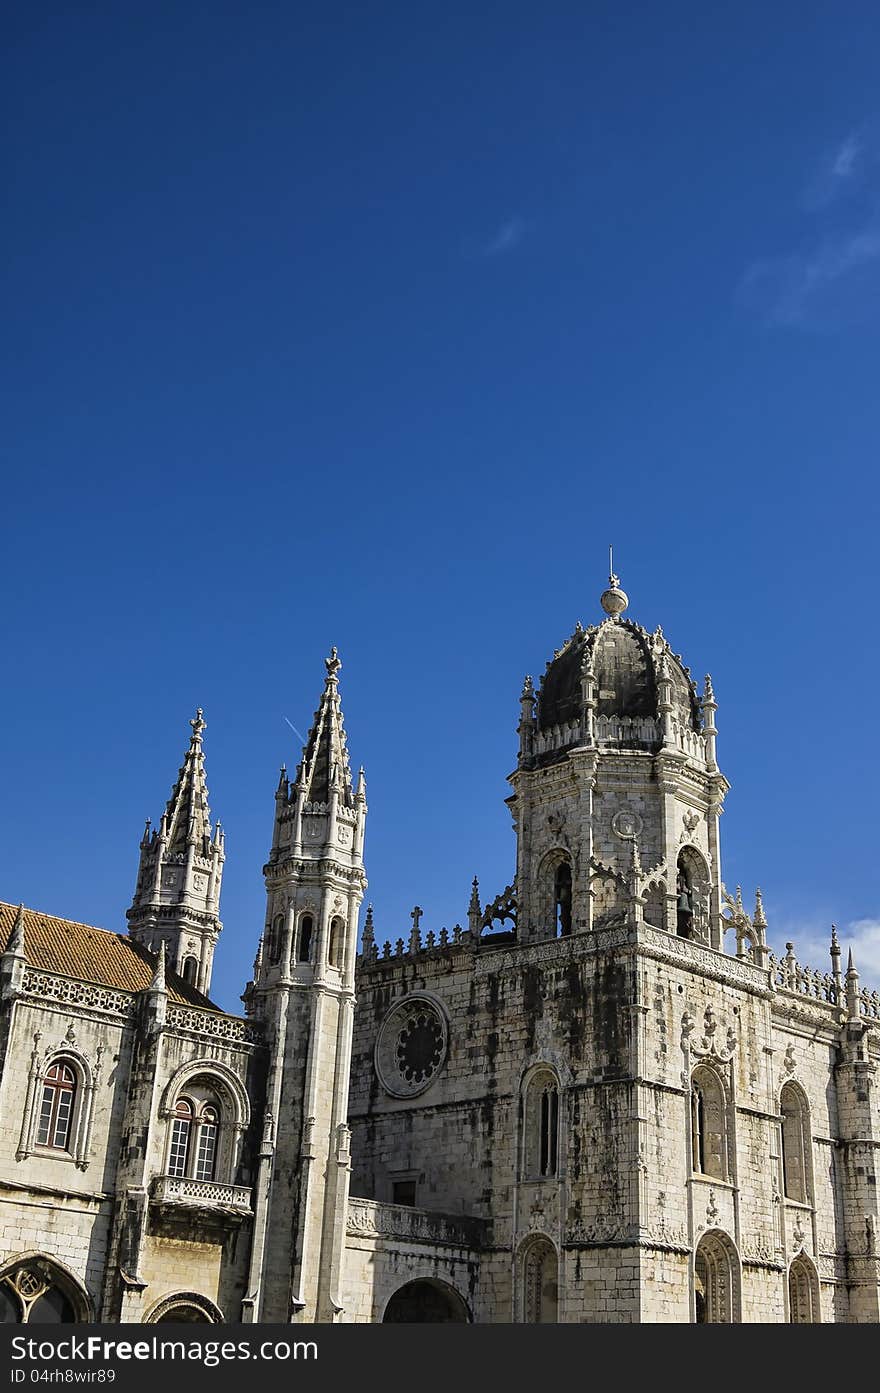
(526, 728)
(852, 989)
(13, 960)
(835, 966)
(177, 898)
(475, 913)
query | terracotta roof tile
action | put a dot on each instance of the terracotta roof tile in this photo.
(93, 955)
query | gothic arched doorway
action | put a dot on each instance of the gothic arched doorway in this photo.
(185, 1308)
(426, 1301)
(539, 1269)
(803, 1292)
(716, 1280)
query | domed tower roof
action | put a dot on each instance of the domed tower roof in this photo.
(618, 666)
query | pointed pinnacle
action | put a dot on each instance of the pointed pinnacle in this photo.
(850, 965)
(15, 943)
(332, 664)
(759, 917)
(198, 725)
(835, 945)
(369, 936)
(158, 982)
(475, 896)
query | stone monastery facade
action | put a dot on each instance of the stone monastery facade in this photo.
(603, 1099)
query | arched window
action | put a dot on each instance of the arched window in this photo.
(190, 968)
(716, 1280)
(562, 899)
(541, 1126)
(35, 1291)
(181, 1128)
(691, 895)
(276, 934)
(56, 1106)
(207, 1150)
(795, 1144)
(803, 1292)
(549, 1129)
(708, 1124)
(539, 1275)
(334, 950)
(304, 948)
(195, 1125)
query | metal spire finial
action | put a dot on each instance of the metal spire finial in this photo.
(614, 600)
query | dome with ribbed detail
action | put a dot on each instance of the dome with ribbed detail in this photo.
(624, 663)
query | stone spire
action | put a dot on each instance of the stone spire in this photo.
(177, 898)
(835, 965)
(15, 942)
(187, 816)
(325, 768)
(852, 989)
(475, 913)
(12, 961)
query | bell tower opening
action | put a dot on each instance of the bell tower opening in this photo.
(562, 899)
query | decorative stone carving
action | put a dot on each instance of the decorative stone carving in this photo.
(626, 824)
(691, 822)
(369, 1219)
(411, 1046)
(709, 1044)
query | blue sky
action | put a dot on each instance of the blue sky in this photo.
(374, 325)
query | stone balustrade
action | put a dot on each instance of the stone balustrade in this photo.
(202, 1194)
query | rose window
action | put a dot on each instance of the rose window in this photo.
(411, 1046)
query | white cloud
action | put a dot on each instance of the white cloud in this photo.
(786, 290)
(508, 236)
(845, 159)
(812, 944)
(829, 279)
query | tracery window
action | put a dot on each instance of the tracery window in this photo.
(803, 1292)
(57, 1106)
(539, 1278)
(795, 1144)
(541, 1126)
(709, 1148)
(35, 1292)
(716, 1280)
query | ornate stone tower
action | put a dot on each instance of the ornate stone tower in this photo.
(617, 793)
(303, 990)
(177, 898)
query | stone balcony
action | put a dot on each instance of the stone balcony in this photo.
(371, 1219)
(202, 1194)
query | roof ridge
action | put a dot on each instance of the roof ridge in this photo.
(60, 919)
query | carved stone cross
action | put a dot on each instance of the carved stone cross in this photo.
(416, 914)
